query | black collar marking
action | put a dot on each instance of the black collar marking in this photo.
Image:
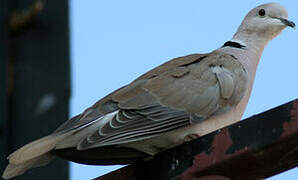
(233, 44)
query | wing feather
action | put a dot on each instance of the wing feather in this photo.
(226, 81)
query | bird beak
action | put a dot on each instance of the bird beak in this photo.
(288, 23)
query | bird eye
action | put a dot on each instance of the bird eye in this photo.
(262, 12)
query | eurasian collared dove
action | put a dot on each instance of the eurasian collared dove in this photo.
(183, 98)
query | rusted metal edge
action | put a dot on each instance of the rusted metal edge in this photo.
(258, 147)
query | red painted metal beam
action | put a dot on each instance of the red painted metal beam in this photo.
(258, 147)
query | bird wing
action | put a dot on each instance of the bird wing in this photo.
(182, 91)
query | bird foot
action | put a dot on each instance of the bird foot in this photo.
(191, 137)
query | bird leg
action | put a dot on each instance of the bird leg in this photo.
(191, 137)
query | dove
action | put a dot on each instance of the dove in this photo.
(175, 102)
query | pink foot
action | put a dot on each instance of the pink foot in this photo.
(191, 137)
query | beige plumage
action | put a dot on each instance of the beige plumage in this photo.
(194, 94)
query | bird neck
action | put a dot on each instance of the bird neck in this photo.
(253, 48)
(248, 50)
(253, 43)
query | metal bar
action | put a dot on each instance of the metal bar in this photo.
(258, 147)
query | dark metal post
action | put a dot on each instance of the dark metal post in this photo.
(3, 81)
(35, 55)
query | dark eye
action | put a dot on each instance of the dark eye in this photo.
(262, 12)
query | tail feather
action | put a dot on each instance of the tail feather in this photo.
(33, 154)
(37, 153)
(13, 170)
(35, 148)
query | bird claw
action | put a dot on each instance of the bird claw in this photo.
(191, 137)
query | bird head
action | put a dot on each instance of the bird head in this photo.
(265, 22)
